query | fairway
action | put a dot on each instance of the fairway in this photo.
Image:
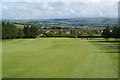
(58, 58)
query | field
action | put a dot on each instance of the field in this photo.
(59, 58)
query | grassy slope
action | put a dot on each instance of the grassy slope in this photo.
(19, 26)
(72, 20)
(56, 57)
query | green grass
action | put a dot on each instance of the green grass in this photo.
(58, 58)
(19, 26)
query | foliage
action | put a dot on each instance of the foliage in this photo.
(30, 31)
(74, 32)
(10, 31)
(20, 33)
(116, 32)
(111, 33)
(60, 33)
(106, 33)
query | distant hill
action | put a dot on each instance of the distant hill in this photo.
(68, 21)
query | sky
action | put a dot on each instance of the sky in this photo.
(35, 9)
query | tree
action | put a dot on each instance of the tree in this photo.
(30, 32)
(9, 31)
(116, 32)
(26, 31)
(74, 33)
(33, 31)
(106, 33)
(20, 33)
(14, 31)
(4, 27)
(59, 33)
(90, 33)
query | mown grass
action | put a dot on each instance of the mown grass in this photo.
(58, 58)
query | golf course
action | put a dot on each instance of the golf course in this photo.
(59, 58)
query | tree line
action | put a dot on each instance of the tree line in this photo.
(113, 32)
(10, 31)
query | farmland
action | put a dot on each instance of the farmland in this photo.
(69, 22)
(59, 58)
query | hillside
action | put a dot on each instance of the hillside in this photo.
(95, 22)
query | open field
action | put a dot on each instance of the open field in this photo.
(59, 58)
(19, 26)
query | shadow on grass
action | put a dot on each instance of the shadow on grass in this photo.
(105, 41)
(109, 48)
(108, 52)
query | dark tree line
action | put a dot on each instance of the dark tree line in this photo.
(10, 31)
(30, 32)
(111, 33)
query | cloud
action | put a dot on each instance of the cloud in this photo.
(32, 10)
(60, 0)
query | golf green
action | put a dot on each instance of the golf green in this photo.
(58, 58)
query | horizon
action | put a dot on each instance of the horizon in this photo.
(64, 18)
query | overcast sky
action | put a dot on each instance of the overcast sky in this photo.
(29, 9)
